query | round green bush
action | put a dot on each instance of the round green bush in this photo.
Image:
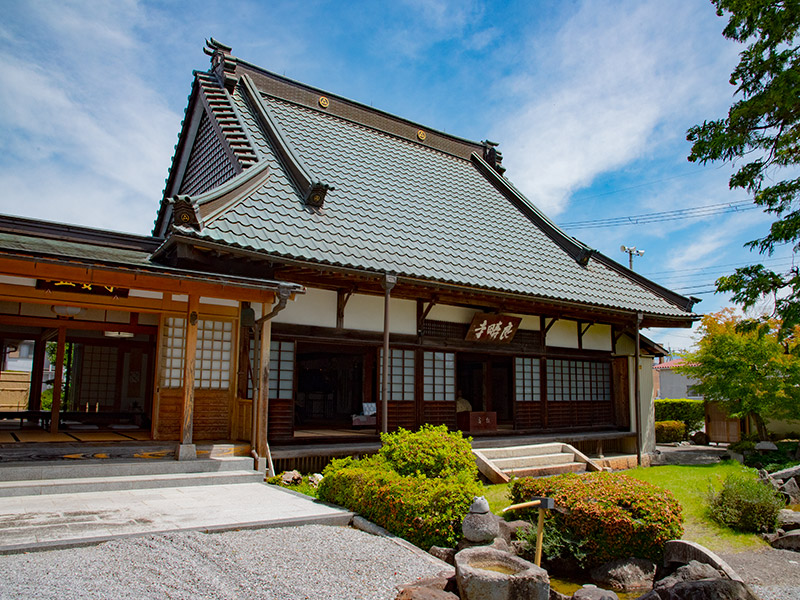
(745, 503)
(432, 451)
(670, 431)
(608, 515)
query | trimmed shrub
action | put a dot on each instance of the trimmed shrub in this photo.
(608, 515)
(432, 451)
(670, 431)
(426, 511)
(691, 412)
(745, 503)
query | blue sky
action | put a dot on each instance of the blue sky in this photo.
(590, 102)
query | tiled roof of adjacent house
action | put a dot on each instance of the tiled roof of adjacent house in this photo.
(424, 206)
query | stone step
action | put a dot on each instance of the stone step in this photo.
(82, 469)
(125, 482)
(515, 451)
(544, 471)
(536, 460)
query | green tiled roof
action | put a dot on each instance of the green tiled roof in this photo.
(402, 207)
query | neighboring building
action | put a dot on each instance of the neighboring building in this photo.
(670, 384)
(385, 234)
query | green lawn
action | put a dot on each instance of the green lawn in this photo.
(690, 485)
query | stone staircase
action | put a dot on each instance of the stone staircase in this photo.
(60, 477)
(500, 464)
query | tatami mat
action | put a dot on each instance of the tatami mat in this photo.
(6, 438)
(43, 436)
(97, 436)
(141, 436)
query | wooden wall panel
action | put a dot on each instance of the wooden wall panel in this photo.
(169, 415)
(212, 414)
(242, 419)
(402, 414)
(281, 419)
(529, 415)
(440, 413)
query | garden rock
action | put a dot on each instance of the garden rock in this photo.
(788, 541)
(765, 446)
(448, 555)
(700, 438)
(511, 530)
(291, 478)
(314, 480)
(704, 589)
(591, 592)
(488, 574)
(792, 490)
(498, 543)
(625, 574)
(785, 474)
(788, 520)
(554, 595)
(693, 571)
(430, 588)
(684, 552)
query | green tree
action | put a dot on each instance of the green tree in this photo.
(752, 372)
(761, 136)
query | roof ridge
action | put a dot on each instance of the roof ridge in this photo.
(231, 192)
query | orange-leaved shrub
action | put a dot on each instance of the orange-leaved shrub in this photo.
(611, 515)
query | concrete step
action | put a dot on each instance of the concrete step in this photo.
(125, 482)
(544, 471)
(527, 450)
(81, 469)
(537, 460)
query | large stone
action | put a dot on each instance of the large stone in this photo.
(291, 478)
(479, 505)
(683, 552)
(792, 490)
(425, 593)
(785, 474)
(788, 541)
(512, 530)
(448, 555)
(625, 574)
(488, 574)
(704, 589)
(554, 595)
(700, 438)
(788, 520)
(480, 527)
(497, 543)
(693, 571)
(591, 592)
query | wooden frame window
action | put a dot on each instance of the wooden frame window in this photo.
(213, 358)
(401, 375)
(527, 379)
(439, 376)
(578, 381)
(281, 370)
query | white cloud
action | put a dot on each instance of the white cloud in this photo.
(85, 134)
(604, 90)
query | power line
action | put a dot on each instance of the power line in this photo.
(695, 212)
(736, 264)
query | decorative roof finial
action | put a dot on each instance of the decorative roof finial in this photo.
(223, 64)
(493, 156)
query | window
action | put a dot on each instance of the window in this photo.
(212, 358)
(439, 376)
(281, 370)
(578, 381)
(527, 378)
(401, 375)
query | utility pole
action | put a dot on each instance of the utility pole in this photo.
(632, 251)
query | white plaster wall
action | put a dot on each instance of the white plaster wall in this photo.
(451, 314)
(782, 427)
(365, 313)
(648, 410)
(625, 345)
(598, 338)
(315, 307)
(563, 334)
(9, 308)
(529, 322)
(11, 280)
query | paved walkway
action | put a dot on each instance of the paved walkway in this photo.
(64, 520)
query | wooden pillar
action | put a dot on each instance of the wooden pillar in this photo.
(637, 390)
(37, 373)
(186, 450)
(388, 283)
(59, 366)
(261, 409)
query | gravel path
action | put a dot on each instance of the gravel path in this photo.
(772, 574)
(309, 562)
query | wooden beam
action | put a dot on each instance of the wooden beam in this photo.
(190, 352)
(342, 298)
(37, 372)
(50, 324)
(59, 376)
